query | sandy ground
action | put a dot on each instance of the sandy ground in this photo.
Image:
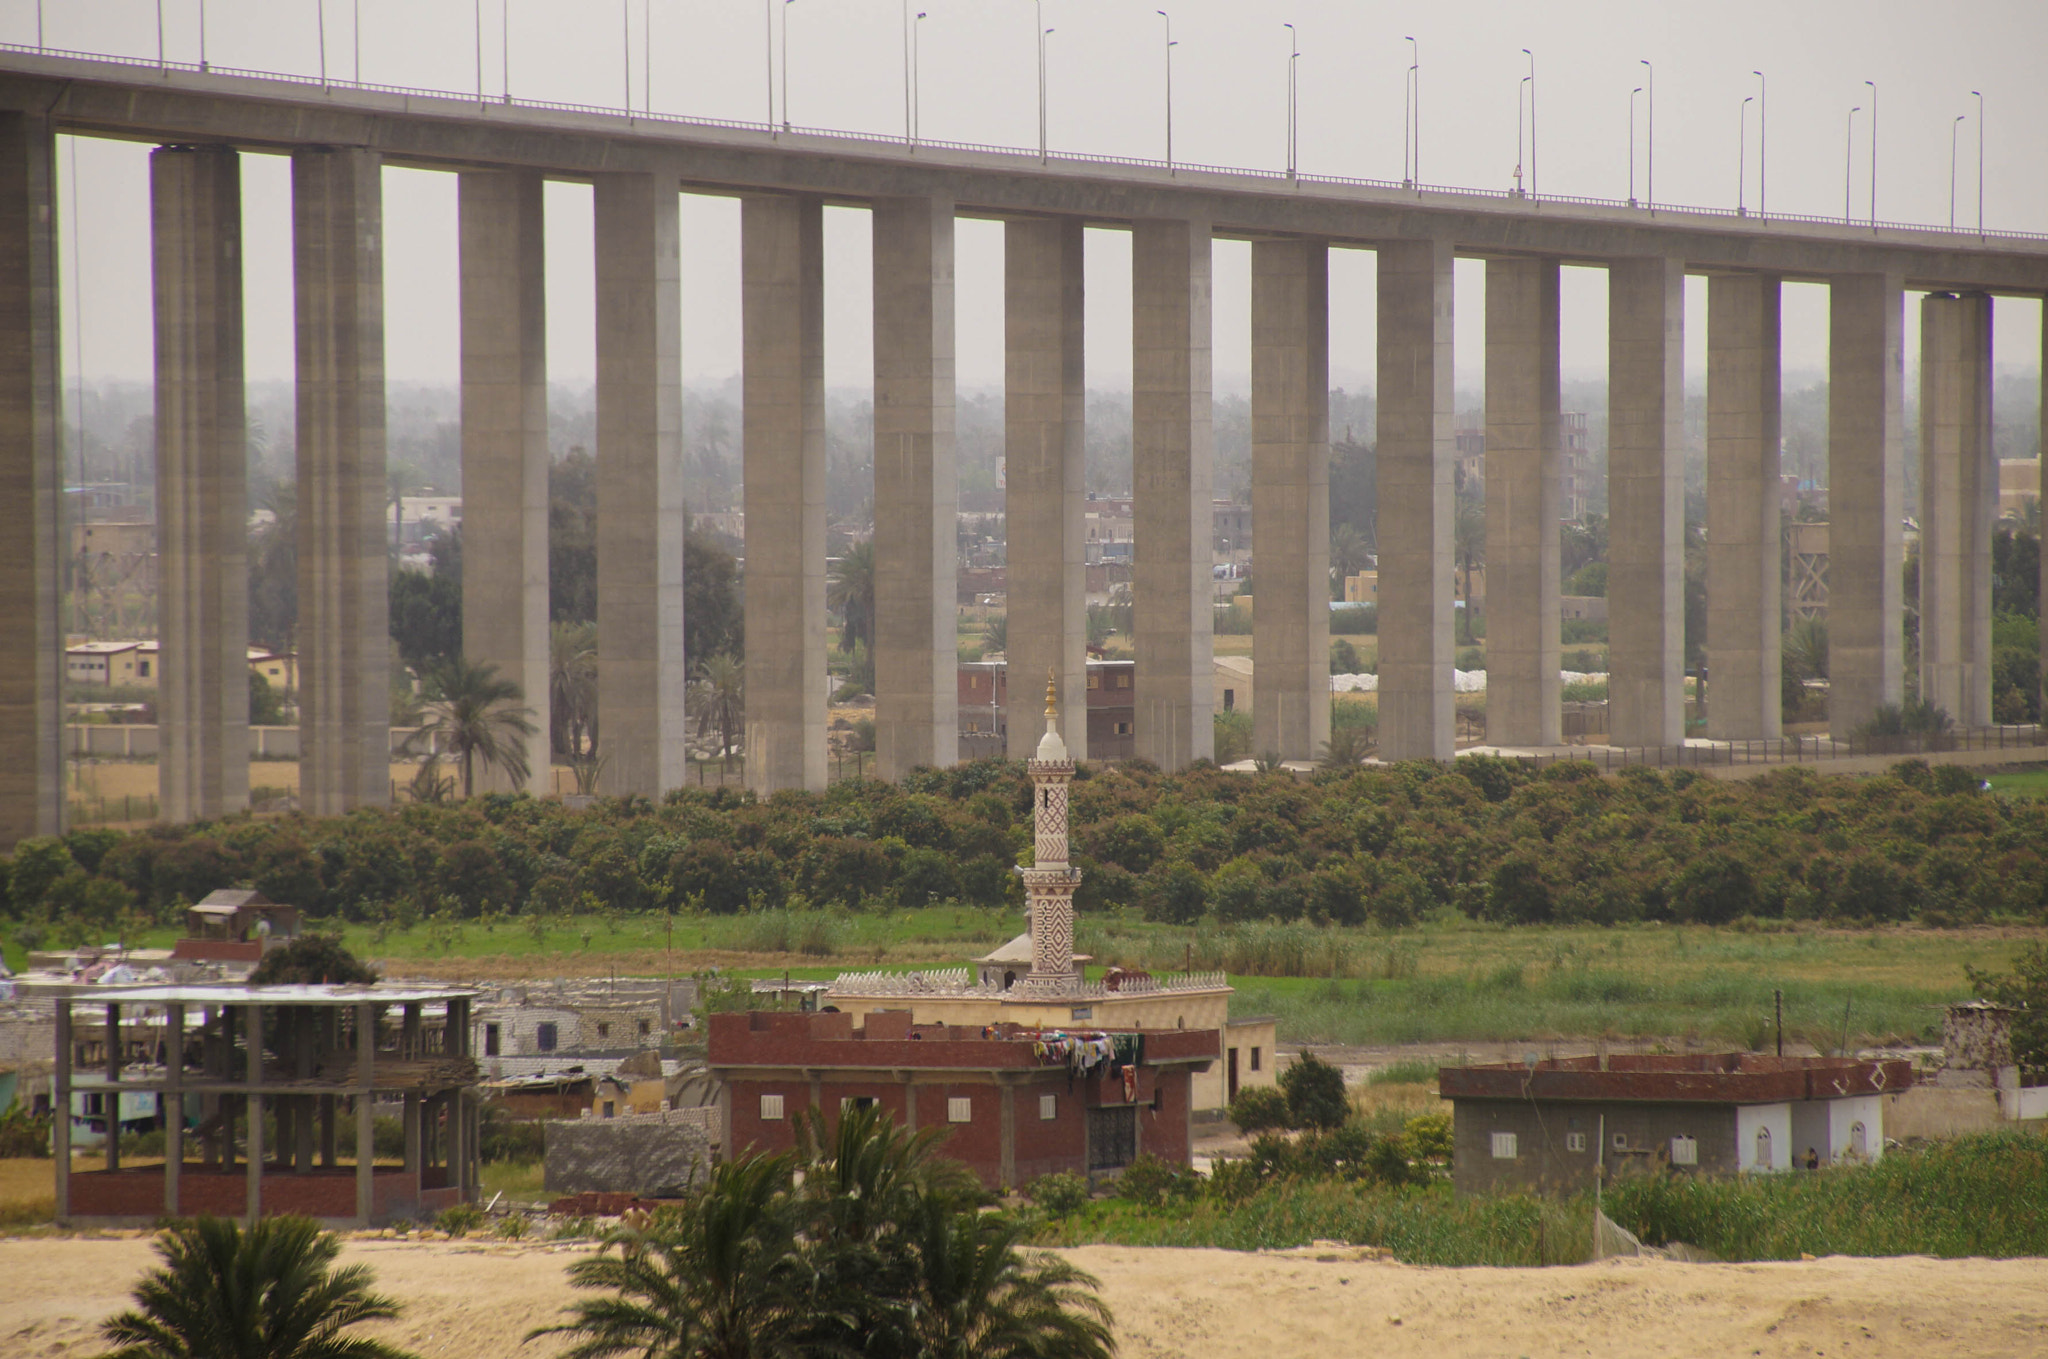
(470, 1299)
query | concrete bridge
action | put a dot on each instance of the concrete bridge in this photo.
(339, 136)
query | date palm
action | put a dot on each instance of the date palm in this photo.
(982, 1296)
(852, 593)
(270, 1292)
(476, 714)
(722, 681)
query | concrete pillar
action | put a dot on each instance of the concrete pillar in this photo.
(1866, 496)
(1745, 612)
(32, 543)
(202, 486)
(173, 1103)
(505, 444)
(1417, 456)
(1958, 505)
(1646, 501)
(1291, 496)
(642, 673)
(1173, 438)
(365, 1099)
(782, 305)
(1524, 493)
(917, 494)
(344, 571)
(2040, 451)
(1044, 406)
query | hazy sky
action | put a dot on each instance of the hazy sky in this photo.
(1106, 77)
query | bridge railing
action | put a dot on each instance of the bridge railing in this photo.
(485, 102)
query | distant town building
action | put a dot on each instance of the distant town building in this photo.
(985, 717)
(140, 664)
(235, 925)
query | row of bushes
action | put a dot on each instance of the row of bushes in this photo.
(1491, 838)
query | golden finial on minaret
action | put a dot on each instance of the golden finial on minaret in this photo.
(1052, 693)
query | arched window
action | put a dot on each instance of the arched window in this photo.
(1859, 1140)
(1763, 1148)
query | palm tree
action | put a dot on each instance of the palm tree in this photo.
(270, 1292)
(852, 593)
(995, 635)
(718, 1278)
(1806, 649)
(572, 687)
(478, 716)
(984, 1298)
(722, 682)
(1350, 551)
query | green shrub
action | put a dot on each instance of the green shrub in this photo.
(1059, 1194)
(513, 1228)
(1151, 1181)
(1315, 1093)
(1259, 1108)
(460, 1220)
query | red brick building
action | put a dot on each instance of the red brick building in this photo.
(1012, 1110)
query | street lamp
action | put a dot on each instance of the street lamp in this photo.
(1532, 119)
(1873, 151)
(785, 63)
(1848, 163)
(160, 41)
(647, 56)
(1742, 156)
(625, 54)
(1980, 160)
(1519, 90)
(319, 15)
(916, 80)
(1632, 144)
(202, 32)
(1043, 33)
(1293, 56)
(768, 25)
(504, 49)
(1415, 97)
(1170, 45)
(1763, 127)
(1650, 134)
(1952, 128)
(909, 130)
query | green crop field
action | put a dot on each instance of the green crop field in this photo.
(1448, 980)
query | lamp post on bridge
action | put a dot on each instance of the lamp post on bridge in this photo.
(1293, 59)
(1038, 11)
(1763, 130)
(1742, 156)
(319, 15)
(1649, 135)
(1848, 160)
(1980, 160)
(1170, 45)
(1632, 144)
(1415, 101)
(1532, 118)
(785, 63)
(1873, 151)
(1519, 91)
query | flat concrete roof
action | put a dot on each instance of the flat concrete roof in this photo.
(1699, 1078)
(293, 994)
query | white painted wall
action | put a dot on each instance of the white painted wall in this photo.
(1777, 1118)
(1844, 1115)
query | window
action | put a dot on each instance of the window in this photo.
(1621, 1141)
(1763, 1149)
(856, 1102)
(610, 1109)
(490, 1040)
(1123, 681)
(1574, 1141)
(545, 1037)
(604, 1030)
(1859, 1140)
(1504, 1147)
(1095, 681)
(142, 669)
(646, 1027)
(1229, 700)
(1685, 1151)
(1255, 1058)
(1081, 1012)
(960, 1109)
(973, 728)
(1123, 729)
(771, 1106)
(1048, 1106)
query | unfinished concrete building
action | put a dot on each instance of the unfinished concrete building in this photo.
(260, 1078)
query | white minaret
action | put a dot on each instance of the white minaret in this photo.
(1051, 880)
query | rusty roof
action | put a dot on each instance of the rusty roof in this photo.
(1707, 1078)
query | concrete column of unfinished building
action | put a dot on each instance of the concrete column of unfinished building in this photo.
(201, 475)
(1045, 506)
(31, 487)
(916, 488)
(1866, 496)
(1417, 450)
(505, 457)
(344, 635)
(782, 307)
(1744, 607)
(1524, 492)
(642, 675)
(1291, 495)
(1958, 505)
(1173, 441)
(1646, 501)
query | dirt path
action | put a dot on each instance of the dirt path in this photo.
(475, 1300)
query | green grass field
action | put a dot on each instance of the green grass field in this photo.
(1451, 980)
(2028, 782)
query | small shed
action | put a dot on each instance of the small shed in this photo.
(235, 925)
